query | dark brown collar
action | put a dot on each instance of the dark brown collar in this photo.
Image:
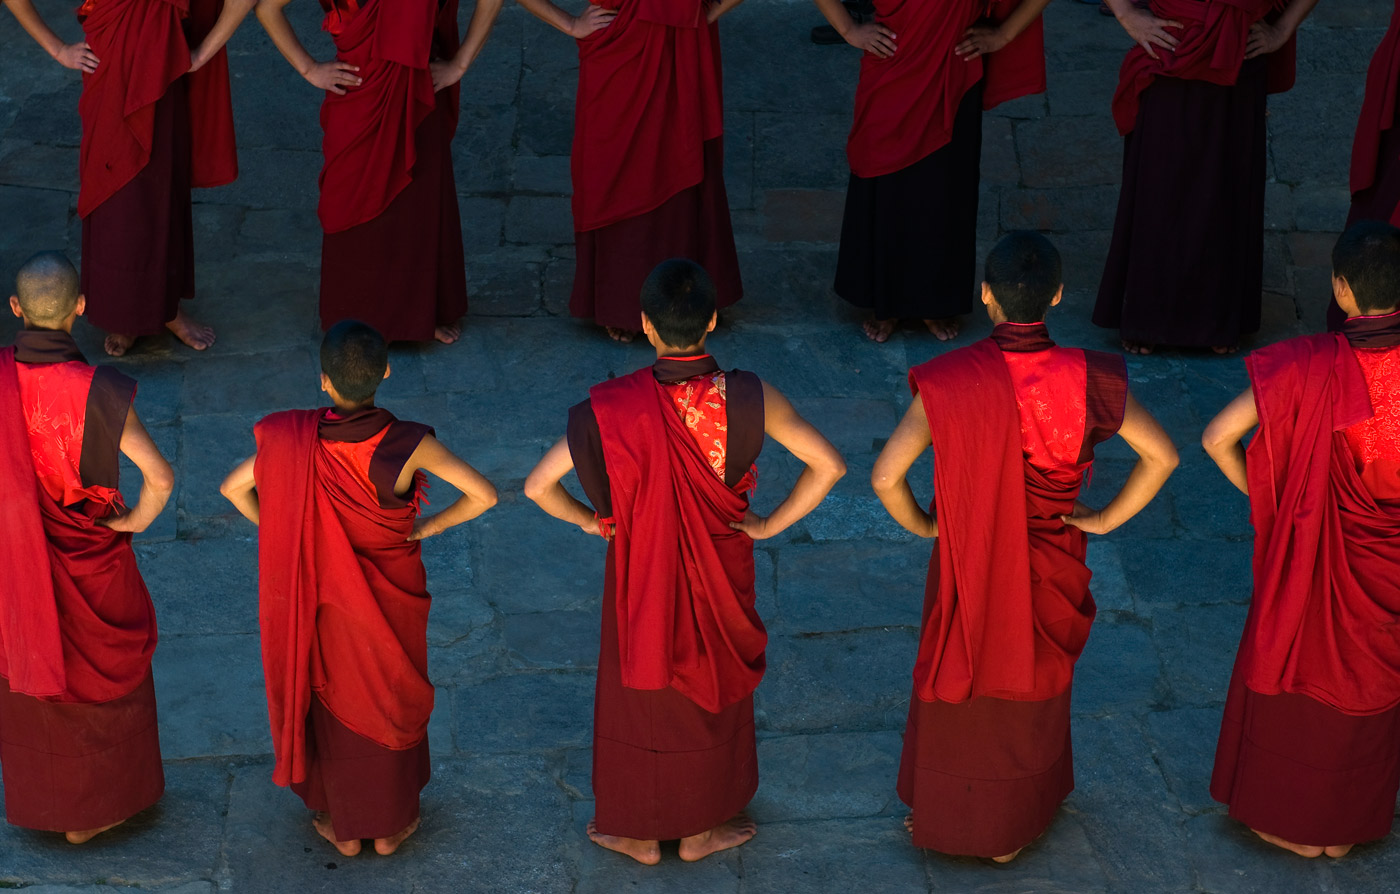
(1021, 338)
(1382, 331)
(355, 427)
(678, 369)
(46, 346)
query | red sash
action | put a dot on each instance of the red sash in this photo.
(1326, 607)
(1012, 609)
(684, 578)
(342, 598)
(1211, 49)
(369, 131)
(143, 50)
(650, 94)
(1378, 109)
(906, 104)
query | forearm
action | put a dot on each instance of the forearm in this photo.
(273, 18)
(836, 15)
(149, 504)
(721, 8)
(1230, 459)
(483, 19)
(1021, 19)
(564, 506)
(900, 503)
(1144, 481)
(463, 509)
(246, 502)
(550, 14)
(233, 14)
(35, 26)
(811, 488)
(1294, 14)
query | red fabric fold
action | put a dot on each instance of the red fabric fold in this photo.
(143, 50)
(684, 578)
(1326, 604)
(342, 595)
(650, 93)
(1211, 48)
(893, 127)
(1378, 108)
(369, 131)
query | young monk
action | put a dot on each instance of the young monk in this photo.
(909, 234)
(648, 155)
(342, 594)
(79, 748)
(157, 120)
(392, 252)
(1186, 263)
(1007, 608)
(666, 455)
(1309, 753)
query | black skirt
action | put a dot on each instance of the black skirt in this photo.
(909, 239)
(1186, 265)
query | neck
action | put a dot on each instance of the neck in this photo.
(673, 351)
(1380, 312)
(56, 327)
(345, 409)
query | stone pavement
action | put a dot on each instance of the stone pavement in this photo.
(515, 622)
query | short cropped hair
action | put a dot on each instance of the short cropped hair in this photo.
(1023, 271)
(1367, 256)
(679, 299)
(47, 287)
(354, 356)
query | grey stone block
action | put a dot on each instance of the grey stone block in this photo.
(817, 777)
(837, 587)
(838, 682)
(1118, 671)
(832, 855)
(185, 603)
(525, 713)
(211, 696)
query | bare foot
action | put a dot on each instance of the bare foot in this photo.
(722, 837)
(1302, 850)
(1338, 850)
(623, 335)
(647, 852)
(448, 334)
(90, 834)
(321, 822)
(1137, 347)
(1225, 349)
(878, 331)
(1007, 858)
(386, 846)
(946, 329)
(191, 331)
(116, 345)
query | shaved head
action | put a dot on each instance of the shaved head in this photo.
(47, 288)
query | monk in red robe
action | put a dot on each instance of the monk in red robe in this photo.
(909, 234)
(1309, 752)
(666, 456)
(157, 120)
(1186, 263)
(79, 745)
(1007, 607)
(648, 154)
(342, 594)
(392, 251)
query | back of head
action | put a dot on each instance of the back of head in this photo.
(1367, 256)
(1023, 271)
(679, 299)
(354, 356)
(47, 288)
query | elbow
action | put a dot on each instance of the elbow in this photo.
(535, 489)
(837, 470)
(1171, 460)
(162, 481)
(490, 499)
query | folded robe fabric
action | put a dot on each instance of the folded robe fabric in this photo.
(1377, 109)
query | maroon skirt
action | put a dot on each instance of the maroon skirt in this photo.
(138, 246)
(985, 777)
(614, 261)
(663, 767)
(404, 272)
(1290, 766)
(1186, 263)
(71, 767)
(369, 791)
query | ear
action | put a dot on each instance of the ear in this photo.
(648, 329)
(1345, 298)
(987, 297)
(1059, 296)
(326, 383)
(714, 321)
(81, 307)
(387, 369)
(14, 306)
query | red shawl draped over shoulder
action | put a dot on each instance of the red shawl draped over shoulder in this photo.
(1013, 609)
(368, 139)
(1378, 108)
(906, 104)
(342, 598)
(1211, 49)
(650, 94)
(1325, 616)
(76, 621)
(142, 48)
(685, 579)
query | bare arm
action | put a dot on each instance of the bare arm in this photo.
(544, 487)
(447, 73)
(241, 489)
(333, 75)
(78, 56)
(478, 494)
(981, 39)
(714, 9)
(1266, 37)
(871, 37)
(157, 478)
(890, 477)
(824, 467)
(1156, 460)
(1146, 30)
(1223, 439)
(232, 15)
(592, 19)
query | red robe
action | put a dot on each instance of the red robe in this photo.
(78, 733)
(1211, 48)
(343, 600)
(906, 104)
(1373, 152)
(1007, 606)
